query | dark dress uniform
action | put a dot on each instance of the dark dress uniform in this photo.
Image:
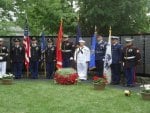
(3, 58)
(67, 53)
(34, 60)
(50, 54)
(3, 53)
(100, 49)
(116, 62)
(17, 55)
(131, 57)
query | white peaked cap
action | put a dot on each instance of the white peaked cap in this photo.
(128, 39)
(81, 40)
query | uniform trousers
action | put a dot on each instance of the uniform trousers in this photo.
(82, 70)
(17, 69)
(115, 70)
(130, 75)
(34, 69)
(2, 68)
(49, 69)
(66, 63)
(99, 67)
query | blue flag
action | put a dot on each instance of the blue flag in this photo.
(43, 42)
(78, 34)
(92, 57)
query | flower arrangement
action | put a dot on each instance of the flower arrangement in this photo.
(145, 93)
(7, 76)
(99, 80)
(66, 76)
(145, 88)
(7, 79)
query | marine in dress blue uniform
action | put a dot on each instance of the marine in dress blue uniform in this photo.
(67, 51)
(50, 54)
(35, 57)
(131, 57)
(17, 55)
(100, 49)
(116, 49)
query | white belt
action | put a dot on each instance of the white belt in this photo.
(128, 58)
(66, 50)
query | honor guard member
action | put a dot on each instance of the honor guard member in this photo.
(35, 57)
(67, 51)
(3, 58)
(100, 49)
(50, 55)
(17, 53)
(82, 58)
(116, 49)
(131, 57)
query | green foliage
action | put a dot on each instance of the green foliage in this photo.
(5, 28)
(66, 71)
(125, 16)
(47, 13)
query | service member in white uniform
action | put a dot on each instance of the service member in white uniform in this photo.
(82, 58)
(3, 58)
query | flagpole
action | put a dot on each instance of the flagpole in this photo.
(26, 16)
(107, 62)
(109, 32)
(44, 65)
(44, 61)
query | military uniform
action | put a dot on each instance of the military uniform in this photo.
(131, 57)
(17, 55)
(3, 58)
(67, 53)
(100, 49)
(116, 61)
(34, 60)
(82, 57)
(50, 54)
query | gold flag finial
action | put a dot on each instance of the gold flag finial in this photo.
(78, 18)
(95, 29)
(110, 31)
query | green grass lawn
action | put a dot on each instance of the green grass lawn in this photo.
(43, 96)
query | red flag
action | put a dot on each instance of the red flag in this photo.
(58, 48)
(26, 43)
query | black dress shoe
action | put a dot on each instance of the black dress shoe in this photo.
(130, 85)
(115, 83)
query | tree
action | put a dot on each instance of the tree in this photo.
(125, 16)
(47, 13)
(6, 17)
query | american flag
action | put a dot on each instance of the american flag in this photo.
(26, 43)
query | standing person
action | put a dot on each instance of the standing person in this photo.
(82, 58)
(50, 58)
(35, 57)
(3, 57)
(131, 57)
(100, 49)
(17, 54)
(116, 49)
(67, 51)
